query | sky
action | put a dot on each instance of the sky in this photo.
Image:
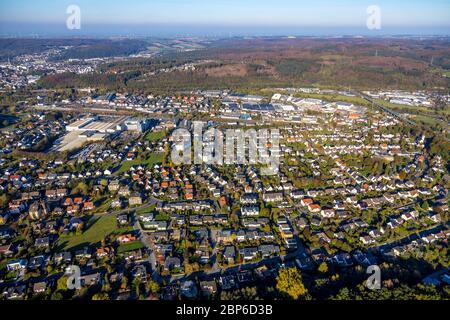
(276, 16)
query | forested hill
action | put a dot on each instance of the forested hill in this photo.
(79, 48)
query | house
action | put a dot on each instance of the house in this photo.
(316, 222)
(249, 198)
(229, 254)
(307, 201)
(72, 209)
(297, 194)
(172, 263)
(134, 255)
(39, 287)
(89, 205)
(122, 219)
(195, 220)
(435, 217)
(90, 279)
(124, 191)
(60, 193)
(50, 194)
(126, 238)
(250, 211)
(249, 253)
(224, 236)
(268, 250)
(208, 288)
(188, 289)
(365, 259)
(227, 282)
(375, 233)
(104, 252)
(6, 250)
(15, 292)
(342, 259)
(17, 265)
(156, 225)
(60, 257)
(139, 272)
(366, 240)
(313, 208)
(114, 186)
(327, 213)
(37, 210)
(84, 253)
(302, 222)
(273, 197)
(36, 262)
(164, 249)
(42, 243)
(135, 200)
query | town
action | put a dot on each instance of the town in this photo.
(87, 179)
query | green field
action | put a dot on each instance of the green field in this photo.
(155, 158)
(334, 98)
(130, 247)
(145, 210)
(155, 136)
(97, 229)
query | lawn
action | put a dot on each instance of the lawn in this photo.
(130, 246)
(155, 158)
(97, 229)
(155, 136)
(145, 210)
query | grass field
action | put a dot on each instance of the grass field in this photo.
(155, 136)
(155, 158)
(333, 98)
(427, 120)
(130, 246)
(145, 210)
(97, 229)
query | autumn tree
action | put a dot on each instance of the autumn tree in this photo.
(290, 283)
(323, 268)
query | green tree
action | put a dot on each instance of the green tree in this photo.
(57, 296)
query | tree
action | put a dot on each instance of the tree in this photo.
(56, 296)
(124, 283)
(290, 283)
(153, 287)
(425, 206)
(137, 285)
(100, 296)
(82, 188)
(61, 284)
(323, 268)
(4, 199)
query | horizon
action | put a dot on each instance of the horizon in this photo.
(175, 18)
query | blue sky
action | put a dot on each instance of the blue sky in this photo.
(262, 13)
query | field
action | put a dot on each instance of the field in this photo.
(130, 246)
(155, 158)
(155, 136)
(145, 210)
(97, 229)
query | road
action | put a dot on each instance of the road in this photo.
(383, 108)
(407, 239)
